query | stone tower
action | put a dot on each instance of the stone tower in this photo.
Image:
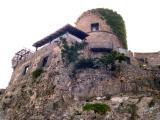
(106, 29)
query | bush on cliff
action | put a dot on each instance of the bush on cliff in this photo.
(109, 59)
(37, 73)
(99, 108)
(84, 63)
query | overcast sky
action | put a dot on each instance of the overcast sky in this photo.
(23, 22)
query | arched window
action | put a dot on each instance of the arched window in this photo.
(25, 69)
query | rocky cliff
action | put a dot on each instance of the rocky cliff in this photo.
(2, 117)
(58, 94)
(79, 90)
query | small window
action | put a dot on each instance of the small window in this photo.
(95, 27)
(45, 61)
(25, 70)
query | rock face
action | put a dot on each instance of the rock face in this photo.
(59, 93)
(2, 117)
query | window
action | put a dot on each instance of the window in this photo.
(45, 61)
(25, 70)
(95, 27)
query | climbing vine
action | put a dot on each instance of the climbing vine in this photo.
(116, 22)
(70, 52)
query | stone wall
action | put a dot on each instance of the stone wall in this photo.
(84, 22)
(34, 61)
(153, 59)
(103, 40)
(87, 82)
(133, 78)
(59, 87)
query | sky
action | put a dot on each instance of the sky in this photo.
(23, 22)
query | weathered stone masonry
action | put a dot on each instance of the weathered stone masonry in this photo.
(58, 95)
(102, 38)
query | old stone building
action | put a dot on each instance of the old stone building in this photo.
(59, 91)
(101, 37)
(100, 33)
(102, 29)
(25, 62)
(92, 27)
(95, 27)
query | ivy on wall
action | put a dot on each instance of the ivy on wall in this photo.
(116, 23)
(70, 52)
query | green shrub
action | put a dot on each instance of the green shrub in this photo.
(70, 53)
(120, 57)
(109, 59)
(112, 57)
(37, 73)
(84, 63)
(99, 108)
(108, 96)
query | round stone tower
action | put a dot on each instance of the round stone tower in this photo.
(105, 27)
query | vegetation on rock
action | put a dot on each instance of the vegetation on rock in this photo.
(108, 97)
(109, 59)
(37, 73)
(84, 63)
(70, 53)
(116, 22)
(99, 108)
